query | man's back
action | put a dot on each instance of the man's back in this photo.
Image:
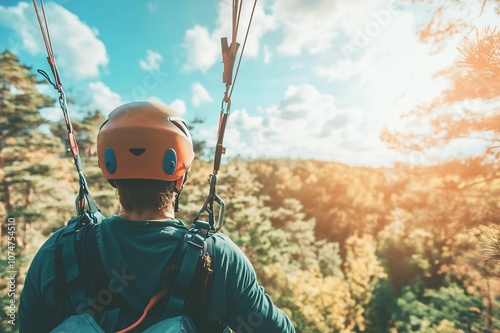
(134, 255)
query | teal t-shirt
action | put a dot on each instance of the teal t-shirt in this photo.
(134, 254)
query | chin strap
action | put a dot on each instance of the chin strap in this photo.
(178, 189)
(176, 202)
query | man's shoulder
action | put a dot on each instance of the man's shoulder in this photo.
(50, 245)
(51, 242)
(227, 251)
(222, 242)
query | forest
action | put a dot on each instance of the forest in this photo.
(339, 248)
(411, 248)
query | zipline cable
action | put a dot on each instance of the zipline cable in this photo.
(84, 192)
(228, 58)
(243, 48)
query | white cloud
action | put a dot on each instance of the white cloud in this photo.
(151, 62)
(202, 50)
(392, 80)
(395, 72)
(156, 99)
(203, 46)
(402, 77)
(267, 54)
(312, 26)
(306, 124)
(79, 53)
(95, 96)
(100, 97)
(22, 21)
(307, 25)
(344, 69)
(261, 24)
(52, 113)
(242, 121)
(200, 95)
(179, 106)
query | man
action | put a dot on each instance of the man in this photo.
(145, 151)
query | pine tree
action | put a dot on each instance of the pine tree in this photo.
(449, 309)
(468, 109)
(466, 112)
(32, 177)
(26, 150)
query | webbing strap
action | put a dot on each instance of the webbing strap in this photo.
(71, 268)
(195, 247)
(70, 235)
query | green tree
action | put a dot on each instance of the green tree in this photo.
(382, 306)
(86, 133)
(414, 252)
(449, 309)
(248, 219)
(341, 200)
(362, 272)
(29, 153)
(86, 130)
(29, 164)
(478, 276)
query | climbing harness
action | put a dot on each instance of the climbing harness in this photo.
(84, 195)
(228, 58)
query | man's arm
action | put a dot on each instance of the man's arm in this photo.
(37, 309)
(239, 298)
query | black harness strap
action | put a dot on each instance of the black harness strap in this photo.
(92, 278)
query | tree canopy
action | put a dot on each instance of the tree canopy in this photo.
(413, 248)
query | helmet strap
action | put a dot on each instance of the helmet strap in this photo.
(176, 203)
(179, 185)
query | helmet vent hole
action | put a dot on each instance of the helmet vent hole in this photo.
(180, 124)
(137, 151)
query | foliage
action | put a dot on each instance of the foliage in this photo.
(491, 242)
(449, 309)
(338, 248)
(29, 162)
(465, 112)
(446, 19)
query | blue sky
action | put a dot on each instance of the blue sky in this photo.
(319, 79)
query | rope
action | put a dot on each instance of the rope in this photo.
(243, 48)
(84, 193)
(228, 57)
(151, 303)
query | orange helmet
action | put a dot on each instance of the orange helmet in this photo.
(142, 140)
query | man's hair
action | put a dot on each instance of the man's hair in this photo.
(145, 194)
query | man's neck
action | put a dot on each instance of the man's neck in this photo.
(147, 215)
